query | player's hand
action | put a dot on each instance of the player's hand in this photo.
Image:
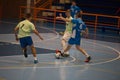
(41, 38)
(60, 14)
(57, 17)
(17, 39)
(84, 34)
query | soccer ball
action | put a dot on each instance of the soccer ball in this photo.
(58, 54)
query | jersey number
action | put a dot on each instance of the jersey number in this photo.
(22, 26)
(74, 33)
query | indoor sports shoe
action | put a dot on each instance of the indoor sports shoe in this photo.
(88, 59)
(66, 54)
(35, 61)
(25, 53)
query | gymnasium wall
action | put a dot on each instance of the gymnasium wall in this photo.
(10, 8)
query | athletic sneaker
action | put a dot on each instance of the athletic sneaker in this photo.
(66, 54)
(88, 59)
(25, 53)
(35, 61)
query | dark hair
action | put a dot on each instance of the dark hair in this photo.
(68, 11)
(79, 15)
(28, 15)
(73, 1)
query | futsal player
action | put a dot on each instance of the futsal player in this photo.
(67, 32)
(22, 33)
(74, 9)
(77, 30)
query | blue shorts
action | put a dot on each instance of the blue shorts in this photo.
(73, 41)
(26, 41)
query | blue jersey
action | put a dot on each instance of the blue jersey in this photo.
(76, 31)
(74, 10)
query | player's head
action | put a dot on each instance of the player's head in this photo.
(28, 16)
(73, 3)
(78, 15)
(67, 13)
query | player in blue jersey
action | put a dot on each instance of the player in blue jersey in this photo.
(77, 31)
(74, 9)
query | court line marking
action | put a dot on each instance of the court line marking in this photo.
(92, 63)
(105, 70)
(88, 64)
(39, 41)
(15, 42)
(67, 61)
(95, 34)
(100, 35)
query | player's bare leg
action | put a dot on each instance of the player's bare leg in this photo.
(84, 53)
(64, 45)
(66, 49)
(25, 52)
(34, 53)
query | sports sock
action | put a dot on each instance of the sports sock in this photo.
(87, 55)
(35, 58)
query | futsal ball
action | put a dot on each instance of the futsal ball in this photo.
(58, 54)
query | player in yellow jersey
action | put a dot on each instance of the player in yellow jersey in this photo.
(22, 33)
(68, 31)
(75, 39)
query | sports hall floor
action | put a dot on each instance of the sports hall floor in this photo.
(104, 49)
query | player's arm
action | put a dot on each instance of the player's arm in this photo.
(85, 32)
(79, 10)
(64, 19)
(15, 32)
(37, 33)
(34, 30)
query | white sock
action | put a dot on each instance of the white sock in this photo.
(35, 58)
(87, 55)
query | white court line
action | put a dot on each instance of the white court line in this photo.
(9, 61)
(108, 48)
(15, 42)
(90, 63)
(84, 64)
